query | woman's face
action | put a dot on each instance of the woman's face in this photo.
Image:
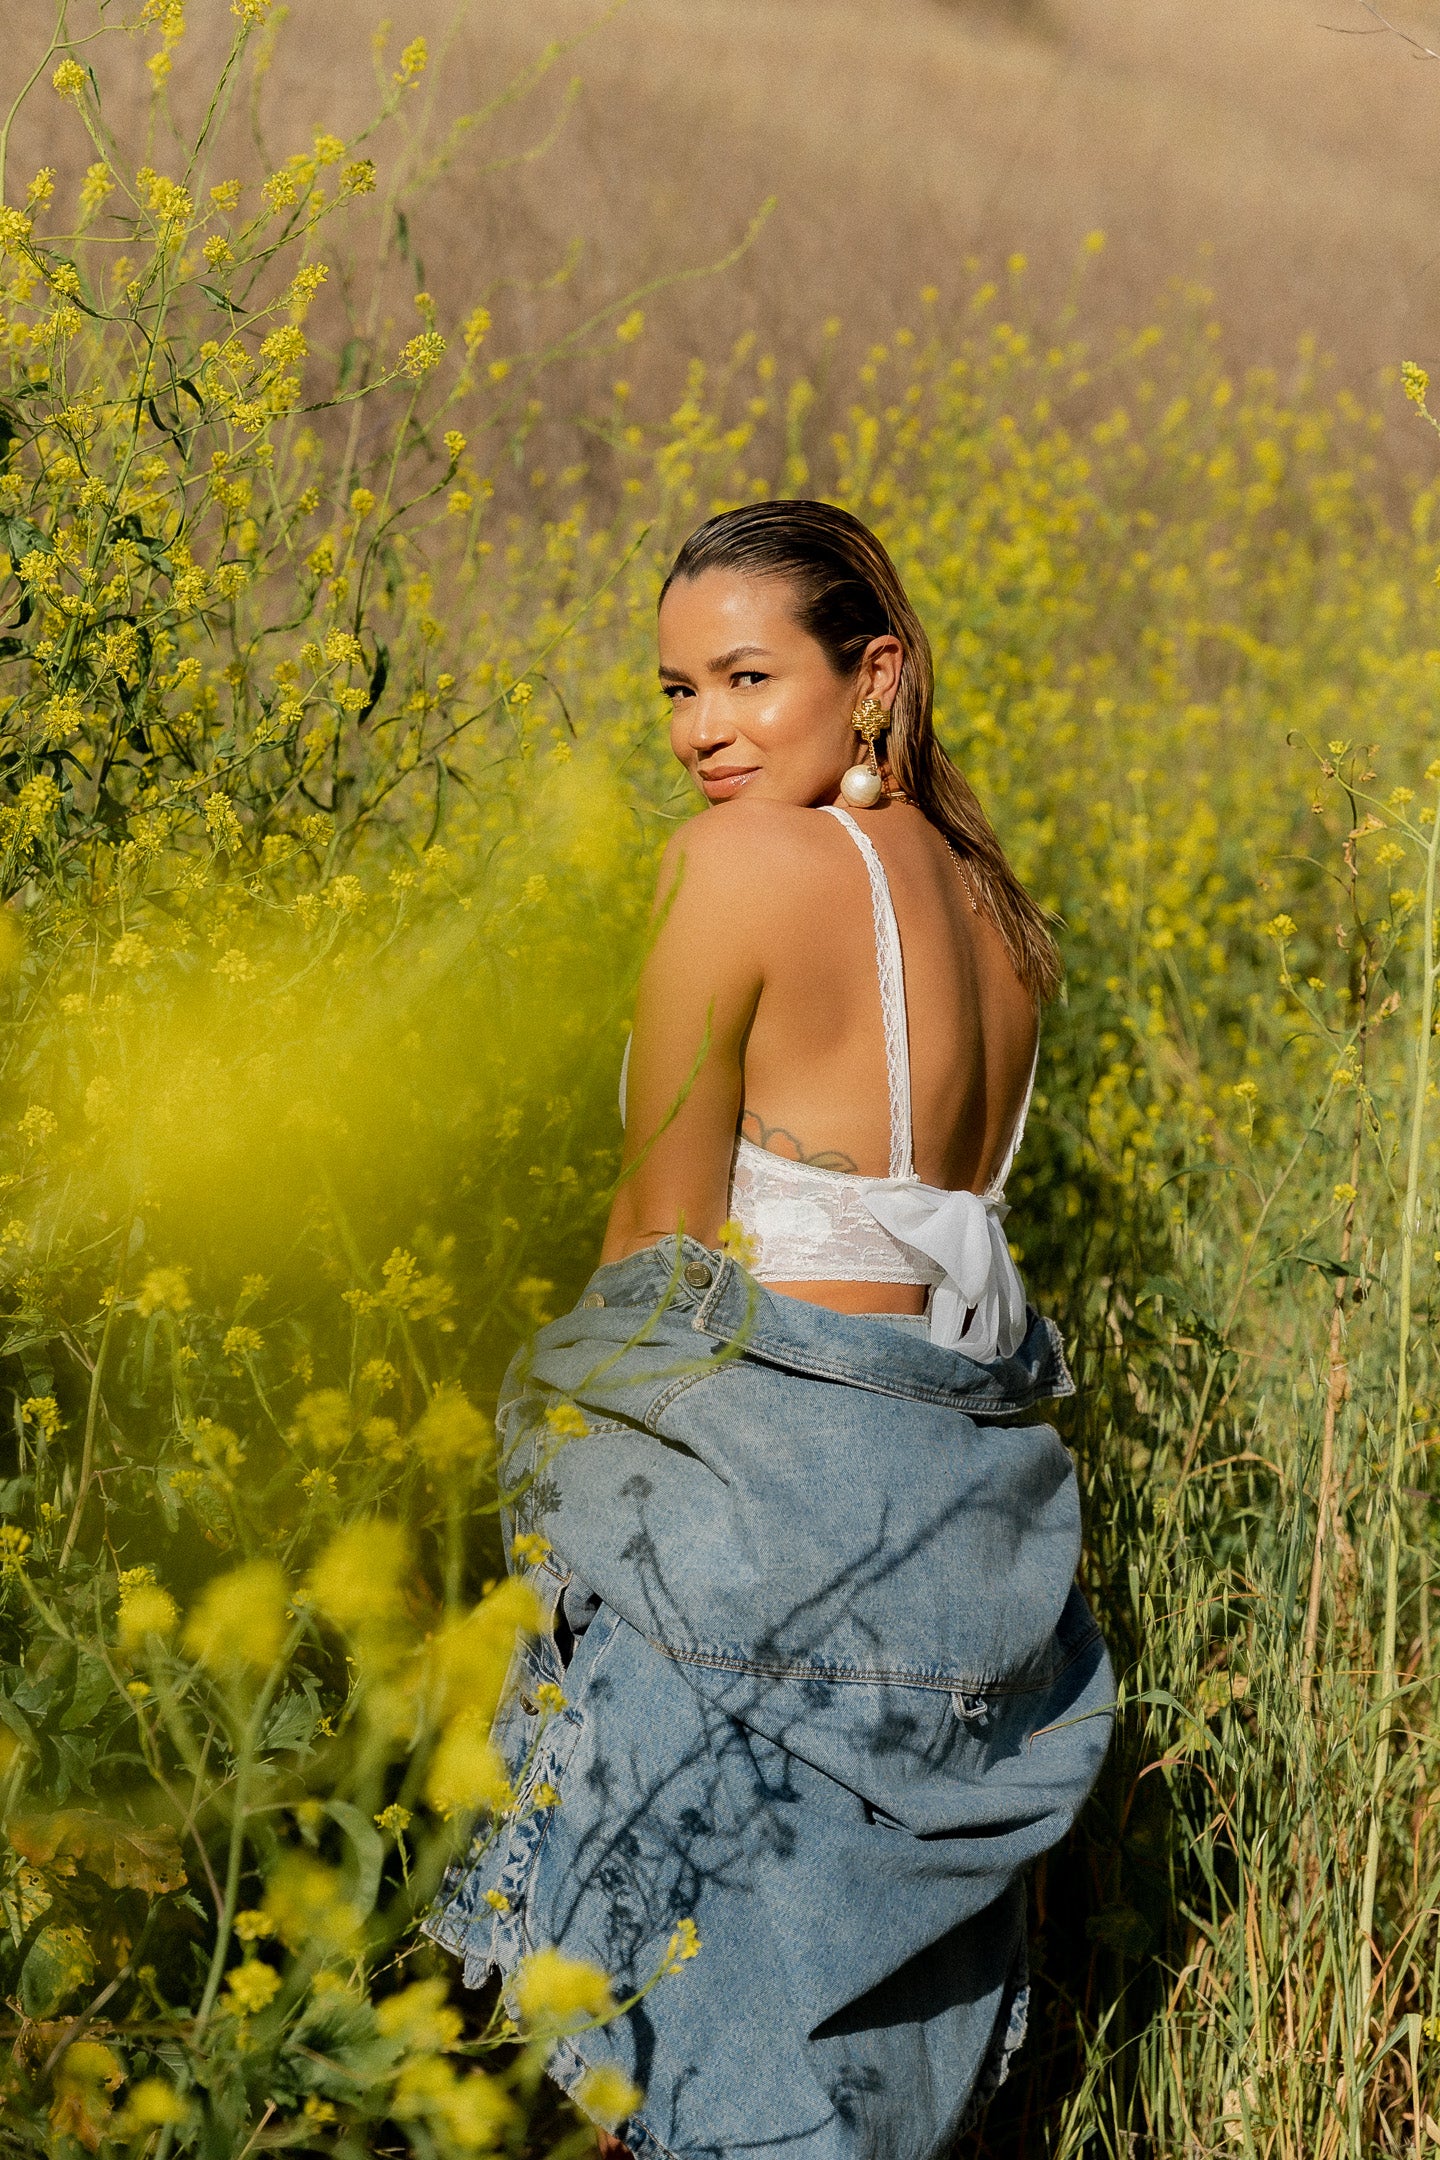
(756, 707)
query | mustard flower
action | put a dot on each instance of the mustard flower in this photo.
(421, 355)
(239, 1621)
(324, 1421)
(150, 2104)
(164, 1288)
(43, 1412)
(466, 1771)
(306, 1903)
(357, 1581)
(555, 1993)
(145, 1610)
(251, 1987)
(453, 1434)
(684, 1944)
(608, 2096)
(470, 2111)
(14, 1544)
(420, 2018)
(567, 1421)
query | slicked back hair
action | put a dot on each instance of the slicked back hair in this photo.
(847, 592)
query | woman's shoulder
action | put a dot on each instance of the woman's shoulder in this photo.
(751, 844)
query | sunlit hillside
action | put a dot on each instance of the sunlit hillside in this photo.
(1251, 142)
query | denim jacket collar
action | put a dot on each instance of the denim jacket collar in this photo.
(717, 1298)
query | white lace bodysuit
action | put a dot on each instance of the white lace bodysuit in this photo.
(807, 1224)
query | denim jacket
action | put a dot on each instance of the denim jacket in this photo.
(832, 1690)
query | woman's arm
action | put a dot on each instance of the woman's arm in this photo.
(697, 996)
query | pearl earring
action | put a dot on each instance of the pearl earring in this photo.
(862, 785)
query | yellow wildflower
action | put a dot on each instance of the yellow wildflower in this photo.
(566, 1420)
(468, 1661)
(145, 1610)
(420, 2018)
(684, 1944)
(357, 1580)
(222, 823)
(470, 2111)
(166, 1288)
(608, 2096)
(466, 1771)
(241, 1343)
(150, 2105)
(452, 1434)
(555, 1993)
(240, 1619)
(306, 1903)
(530, 1547)
(324, 1421)
(421, 355)
(14, 1544)
(69, 79)
(130, 951)
(43, 1411)
(735, 1241)
(251, 1987)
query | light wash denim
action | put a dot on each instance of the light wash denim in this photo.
(831, 1689)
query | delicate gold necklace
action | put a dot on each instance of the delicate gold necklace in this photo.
(959, 861)
(896, 795)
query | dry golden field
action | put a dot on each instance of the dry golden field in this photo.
(1250, 142)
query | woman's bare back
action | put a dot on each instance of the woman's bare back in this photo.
(814, 1073)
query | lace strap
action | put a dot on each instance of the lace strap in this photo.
(995, 1190)
(890, 966)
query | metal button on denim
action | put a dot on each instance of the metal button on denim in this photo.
(592, 1301)
(698, 1275)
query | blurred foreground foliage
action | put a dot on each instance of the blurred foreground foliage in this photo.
(333, 778)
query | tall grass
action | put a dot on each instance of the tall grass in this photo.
(334, 780)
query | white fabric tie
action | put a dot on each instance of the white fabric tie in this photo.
(964, 1234)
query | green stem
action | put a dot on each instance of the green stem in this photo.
(92, 1408)
(57, 43)
(1408, 1225)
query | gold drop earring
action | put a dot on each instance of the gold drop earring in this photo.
(862, 785)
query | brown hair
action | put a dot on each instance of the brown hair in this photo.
(850, 592)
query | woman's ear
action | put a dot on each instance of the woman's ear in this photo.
(879, 675)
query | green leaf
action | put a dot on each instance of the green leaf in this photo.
(59, 1965)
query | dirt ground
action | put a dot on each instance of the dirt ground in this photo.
(1287, 152)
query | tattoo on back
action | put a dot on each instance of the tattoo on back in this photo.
(779, 1140)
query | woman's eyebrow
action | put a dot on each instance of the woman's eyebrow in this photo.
(727, 660)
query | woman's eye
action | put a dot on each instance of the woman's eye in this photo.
(750, 675)
(675, 691)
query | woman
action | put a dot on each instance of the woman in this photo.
(829, 1686)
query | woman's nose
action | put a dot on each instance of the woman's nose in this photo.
(707, 725)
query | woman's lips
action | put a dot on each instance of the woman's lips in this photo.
(720, 782)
